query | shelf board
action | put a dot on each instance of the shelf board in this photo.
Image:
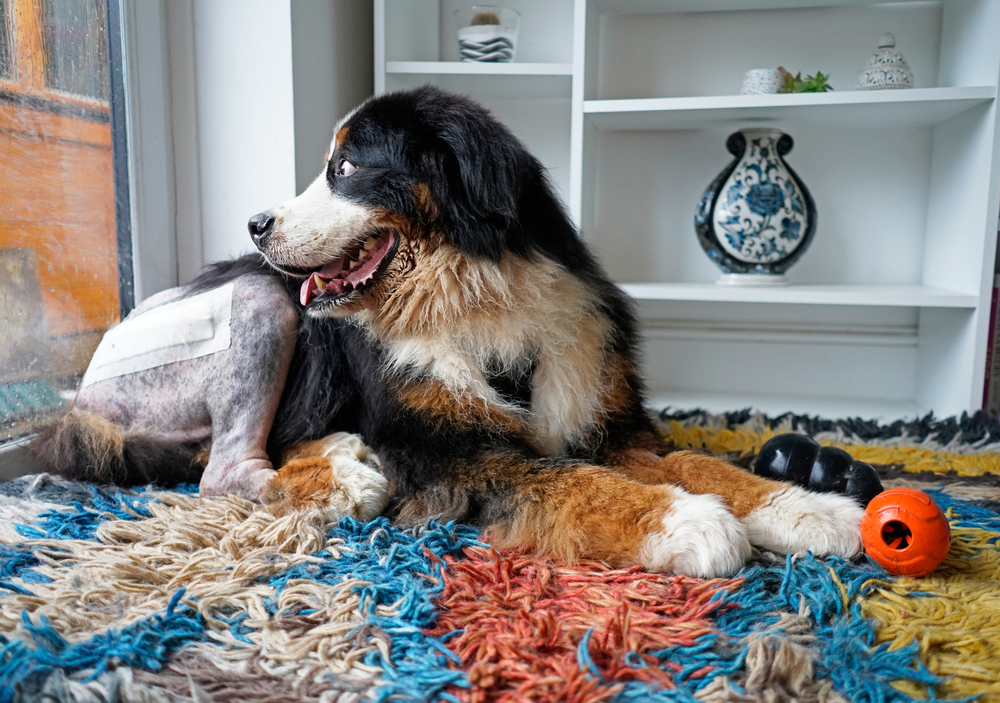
(884, 410)
(647, 7)
(479, 69)
(851, 108)
(877, 296)
(486, 81)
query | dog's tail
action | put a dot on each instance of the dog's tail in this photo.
(84, 446)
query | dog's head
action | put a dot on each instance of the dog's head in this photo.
(407, 175)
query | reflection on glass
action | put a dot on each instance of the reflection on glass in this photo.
(58, 245)
(76, 48)
(6, 55)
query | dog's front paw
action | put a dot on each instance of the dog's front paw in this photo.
(793, 519)
(698, 536)
(338, 486)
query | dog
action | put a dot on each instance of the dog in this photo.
(424, 324)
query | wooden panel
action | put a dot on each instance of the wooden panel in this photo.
(52, 181)
(78, 273)
(57, 198)
(29, 36)
(23, 120)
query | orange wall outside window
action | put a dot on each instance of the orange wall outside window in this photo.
(57, 189)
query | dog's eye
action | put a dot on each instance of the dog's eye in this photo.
(345, 168)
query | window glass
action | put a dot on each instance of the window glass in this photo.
(6, 60)
(76, 47)
(58, 238)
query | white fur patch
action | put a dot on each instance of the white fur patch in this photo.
(359, 488)
(794, 520)
(316, 227)
(700, 537)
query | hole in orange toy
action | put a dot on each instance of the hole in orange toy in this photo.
(896, 534)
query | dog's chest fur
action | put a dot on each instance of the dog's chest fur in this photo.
(531, 326)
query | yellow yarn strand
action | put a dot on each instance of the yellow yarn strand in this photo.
(911, 458)
(717, 440)
(917, 459)
(953, 616)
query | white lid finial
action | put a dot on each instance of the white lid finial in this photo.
(886, 41)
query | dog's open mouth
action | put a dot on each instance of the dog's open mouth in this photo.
(352, 271)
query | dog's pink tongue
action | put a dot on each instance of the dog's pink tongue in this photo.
(321, 280)
(308, 288)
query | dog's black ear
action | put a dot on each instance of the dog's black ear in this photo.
(481, 176)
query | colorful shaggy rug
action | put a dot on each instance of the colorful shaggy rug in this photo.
(150, 596)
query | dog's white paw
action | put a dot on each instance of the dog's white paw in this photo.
(794, 520)
(357, 490)
(338, 475)
(699, 537)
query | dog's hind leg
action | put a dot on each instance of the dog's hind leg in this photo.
(568, 510)
(776, 515)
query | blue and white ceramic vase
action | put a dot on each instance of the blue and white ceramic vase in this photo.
(757, 217)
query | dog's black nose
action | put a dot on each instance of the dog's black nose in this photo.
(260, 227)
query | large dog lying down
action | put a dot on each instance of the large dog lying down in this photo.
(428, 294)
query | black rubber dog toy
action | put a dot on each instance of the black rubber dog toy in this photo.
(802, 461)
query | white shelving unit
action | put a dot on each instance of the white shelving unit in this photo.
(629, 103)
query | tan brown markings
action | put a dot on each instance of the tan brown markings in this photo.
(573, 512)
(619, 376)
(203, 455)
(740, 490)
(340, 136)
(425, 202)
(312, 449)
(434, 402)
(299, 485)
(83, 433)
(585, 512)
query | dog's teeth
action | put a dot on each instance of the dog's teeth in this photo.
(352, 265)
(370, 244)
(362, 254)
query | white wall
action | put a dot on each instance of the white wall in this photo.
(332, 61)
(245, 116)
(256, 87)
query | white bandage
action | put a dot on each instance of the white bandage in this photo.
(184, 329)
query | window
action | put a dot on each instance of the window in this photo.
(76, 47)
(59, 241)
(6, 64)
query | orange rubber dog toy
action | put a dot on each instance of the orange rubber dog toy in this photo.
(905, 532)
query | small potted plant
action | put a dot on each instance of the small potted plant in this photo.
(487, 33)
